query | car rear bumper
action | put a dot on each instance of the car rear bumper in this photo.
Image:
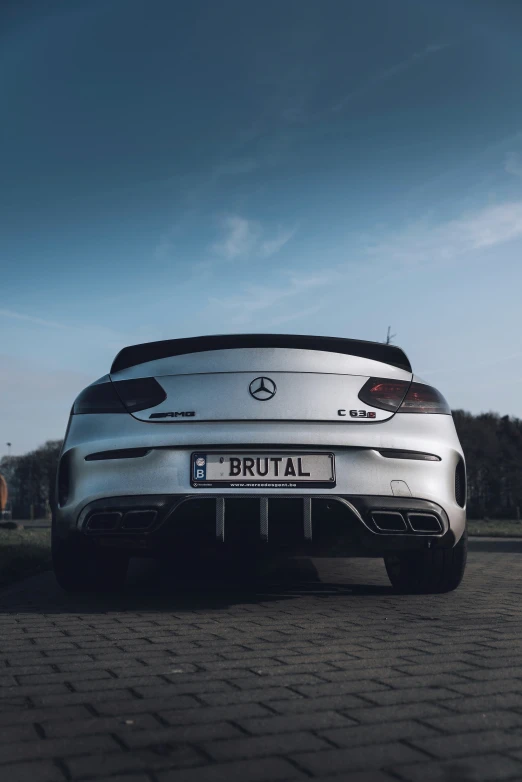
(316, 525)
(377, 467)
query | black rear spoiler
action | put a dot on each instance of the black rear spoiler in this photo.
(151, 351)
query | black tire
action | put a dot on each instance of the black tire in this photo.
(81, 568)
(428, 572)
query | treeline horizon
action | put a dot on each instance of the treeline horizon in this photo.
(492, 445)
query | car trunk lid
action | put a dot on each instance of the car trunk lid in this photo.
(261, 383)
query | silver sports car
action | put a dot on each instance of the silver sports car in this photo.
(241, 444)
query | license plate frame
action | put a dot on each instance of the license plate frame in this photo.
(199, 482)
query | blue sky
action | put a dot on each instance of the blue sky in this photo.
(172, 169)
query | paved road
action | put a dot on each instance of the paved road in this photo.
(310, 673)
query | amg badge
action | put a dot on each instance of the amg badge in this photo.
(189, 414)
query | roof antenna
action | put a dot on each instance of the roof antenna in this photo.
(389, 336)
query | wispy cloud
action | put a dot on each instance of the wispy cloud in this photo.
(298, 314)
(423, 242)
(235, 167)
(99, 334)
(31, 319)
(418, 244)
(273, 245)
(513, 164)
(386, 74)
(256, 299)
(243, 238)
(240, 237)
(197, 188)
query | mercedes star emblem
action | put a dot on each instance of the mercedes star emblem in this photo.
(262, 389)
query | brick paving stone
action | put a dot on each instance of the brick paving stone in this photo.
(434, 667)
(12, 703)
(340, 688)
(262, 770)
(409, 695)
(40, 771)
(491, 702)
(96, 725)
(357, 776)
(489, 674)
(316, 721)
(32, 715)
(51, 748)
(322, 673)
(125, 778)
(459, 723)
(68, 698)
(444, 680)
(299, 705)
(20, 732)
(462, 744)
(379, 714)
(104, 764)
(258, 746)
(211, 713)
(359, 735)
(249, 696)
(481, 768)
(190, 734)
(172, 689)
(76, 678)
(494, 687)
(33, 690)
(357, 758)
(258, 682)
(17, 670)
(171, 736)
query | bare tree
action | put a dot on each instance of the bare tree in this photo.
(30, 479)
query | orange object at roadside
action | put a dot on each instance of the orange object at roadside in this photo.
(3, 493)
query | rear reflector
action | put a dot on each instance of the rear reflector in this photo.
(64, 475)
(391, 453)
(124, 453)
(460, 483)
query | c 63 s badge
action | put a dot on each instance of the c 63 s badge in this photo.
(357, 413)
(189, 414)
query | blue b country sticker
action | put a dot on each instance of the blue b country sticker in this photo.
(200, 468)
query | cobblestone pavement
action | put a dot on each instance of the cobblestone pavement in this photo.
(317, 672)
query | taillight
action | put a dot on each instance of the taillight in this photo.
(98, 398)
(119, 397)
(140, 394)
(424, 399)
(384, 394)
(403, 397)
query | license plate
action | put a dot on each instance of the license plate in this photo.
(262, 470)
